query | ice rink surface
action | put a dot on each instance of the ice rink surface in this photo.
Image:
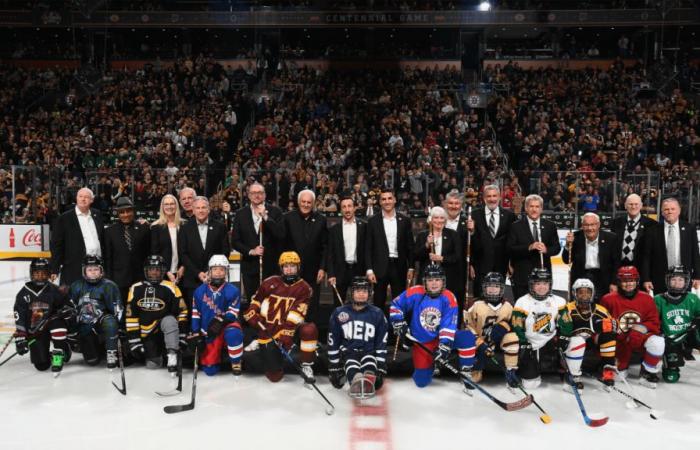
(81, 410)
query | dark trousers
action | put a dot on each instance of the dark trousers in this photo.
(392, 278)
(519, 290)
(350, 271)
(251, 283)
(595, 276)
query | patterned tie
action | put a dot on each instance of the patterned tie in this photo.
(671, 253)
(127, 236)
(629, 239)
(492, 224)
(535, 231)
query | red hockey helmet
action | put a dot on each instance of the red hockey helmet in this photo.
(628, 274)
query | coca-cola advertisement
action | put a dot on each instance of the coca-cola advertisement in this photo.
(22, 238)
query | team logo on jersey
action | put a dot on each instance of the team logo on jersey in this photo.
(627, 319)
(430, 318)
(584, 332)
(543, 323)
(151, 304)
(343, 317)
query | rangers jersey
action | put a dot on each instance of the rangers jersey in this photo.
(147, 304)
(209, 302)
(34, 304)
(361, 332)
(676, 319)
(93, 300)
(482, 316)
(639, 309)
(535, 321)
(428, 318)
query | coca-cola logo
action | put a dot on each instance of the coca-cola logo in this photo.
(31, 238)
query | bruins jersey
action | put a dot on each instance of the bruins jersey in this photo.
(483, 315)
(147, 304)
(598, 322)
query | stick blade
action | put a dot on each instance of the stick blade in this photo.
(520, 404)
(173, 409)
(546, 419)
(596, 422)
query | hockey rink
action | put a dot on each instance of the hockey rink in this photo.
(81, 410)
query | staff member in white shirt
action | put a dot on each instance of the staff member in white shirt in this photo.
(346, 253)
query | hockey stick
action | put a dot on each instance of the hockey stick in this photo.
(569, 379)
(545, 418)
(7, 344)
(172, 409)
(38, 329)
(508, 406)
(652, 412)
(120, 356)
(29, 343)
(337, 294)
(178, 389)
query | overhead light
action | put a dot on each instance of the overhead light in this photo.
(485, 6)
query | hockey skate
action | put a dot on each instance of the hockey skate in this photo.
(362, 387)
(171, 362)
(577, 381)
(236, 369)
(648, 379)
(112, 359)
(57, 362)
(466, 373)
(608, 376)
(512, 380)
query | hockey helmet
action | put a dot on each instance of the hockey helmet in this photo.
(290, 259)
(434, 272)
(91, 262)
(360, 292)
(216, 278)
(539, 276)
(583, 292)
(628, 274)
(39, 271)
(493, 287)
(154, 269)
(677, 283)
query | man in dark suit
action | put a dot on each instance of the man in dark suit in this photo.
(187, 196)
(594, 255)
(389, 249)
(126, 247)
(671, 243)
(490, 227)
(457, 222)
(532, 241)
(346, 252)
(197, 241)
(307, 234)
(630, 230)
(76, 233)
(246, 238)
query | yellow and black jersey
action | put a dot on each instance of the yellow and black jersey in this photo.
(598, 322)
(147, 304)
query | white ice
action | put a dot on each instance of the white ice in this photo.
(81, 410)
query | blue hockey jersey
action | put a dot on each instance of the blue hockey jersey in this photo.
(363, 332)
(93, 300)
(209, 303)
(428, 318)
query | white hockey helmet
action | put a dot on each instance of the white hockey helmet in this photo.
(584, 304)
(218, 261)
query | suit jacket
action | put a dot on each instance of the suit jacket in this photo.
(655, 262)
(68, 247)
(377, 247)
(450, 249)
(309, 238)
(608, 259)
(336, 251)
(193, 256)
(245, 238)
(524, 260)
(161, 244)
(123, 266)
(490, 254)
(618, 227)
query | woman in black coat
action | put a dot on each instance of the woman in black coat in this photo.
(441, 245)
(164, 237)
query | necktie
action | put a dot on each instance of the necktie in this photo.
(535, 231)
(629, 240)
(671, 252)
(127, 236)
(492, 224)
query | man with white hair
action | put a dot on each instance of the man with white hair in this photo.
(593, 255)
(187, 196)
(532, 241)
(307, 234)
(630, 230)
(76, 233)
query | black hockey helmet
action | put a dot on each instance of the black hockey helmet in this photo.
(92, 261)
(39, 271)
(493, 280)
(360, 284)
(676, 290)
(539, 276)
(154, 269)
(434, 271)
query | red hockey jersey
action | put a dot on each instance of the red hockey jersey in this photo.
(639, 309)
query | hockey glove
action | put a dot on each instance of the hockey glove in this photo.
(286, 342)
(442, 354)
(66, 313)
(215, 326)
(21, 345)
(400, 330)
(137, 351)
(194, 341)
(563, 343)
(379, 381)
(336, 375)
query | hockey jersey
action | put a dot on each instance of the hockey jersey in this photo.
(676, 319)
(280, 307)
(93, 300)
(363, 332)
(209, 302)
(147, 303)
(428, 318)
(34, 304)
(627, 312)
(482, 316)
(599, 321)
(535, 321)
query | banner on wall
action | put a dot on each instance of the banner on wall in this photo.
(18, 241)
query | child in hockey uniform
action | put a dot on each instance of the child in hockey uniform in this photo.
(155, 315)
(277, 311)
(100, 311)
(42, 313)
(592, 323)
(429, 313)
(679, 311)
(535, 319)
(357, 343)
(638, 325)
(489, 320)
(215, 309)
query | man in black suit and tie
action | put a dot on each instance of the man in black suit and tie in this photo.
(457, 222)
(490, 227)
(187, 196)
(246, 238)
(199, 239)
(630, 230)
(126, 247)
(389, 249)
(594, 255)
(307, 234)
(532, 241)
(76, 233)
(346, 252)
(671, 243)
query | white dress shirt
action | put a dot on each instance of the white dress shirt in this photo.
(173, 244)
(592, 260)
(256, 220)
(438, 244)
(391, 232)
(452, 224)
(350, 240)
(89, 231)
(203, 228)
